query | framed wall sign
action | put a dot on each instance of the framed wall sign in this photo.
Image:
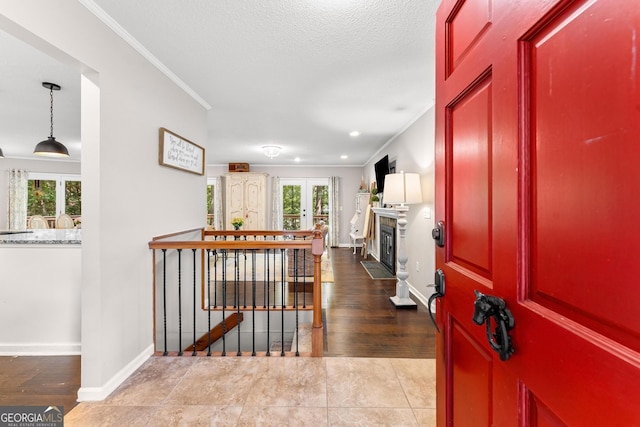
(180, 153)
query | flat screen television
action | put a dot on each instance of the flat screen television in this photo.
(381, 169)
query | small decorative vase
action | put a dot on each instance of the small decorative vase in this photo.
(236, 227)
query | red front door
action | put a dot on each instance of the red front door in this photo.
(538, 184)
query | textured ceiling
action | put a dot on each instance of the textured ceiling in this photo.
(300, 74)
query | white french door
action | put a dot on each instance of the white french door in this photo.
(304, 202)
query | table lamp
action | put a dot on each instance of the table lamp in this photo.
(401, 189)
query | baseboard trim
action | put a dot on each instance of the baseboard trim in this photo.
(421, 298)
(424, 301)
(40, 349)
(86, 394)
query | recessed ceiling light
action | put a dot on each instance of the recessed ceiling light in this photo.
(297, 159)
(344, 156)
(354, 133)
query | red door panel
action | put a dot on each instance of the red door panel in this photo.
(471, 379)
(539, 414)
(537, 180)
(574, 202)
(470, 210)
(465, 26)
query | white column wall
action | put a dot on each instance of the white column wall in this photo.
(127, 196)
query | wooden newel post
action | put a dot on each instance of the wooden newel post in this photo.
(317, 248)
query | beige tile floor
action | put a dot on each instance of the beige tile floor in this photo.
(265, 391)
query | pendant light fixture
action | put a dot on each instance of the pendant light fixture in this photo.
(1, 155)
(50, 147)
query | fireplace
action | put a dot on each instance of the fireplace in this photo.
(388, 243)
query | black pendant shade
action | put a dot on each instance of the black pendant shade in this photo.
(50, 147)
(1, 155)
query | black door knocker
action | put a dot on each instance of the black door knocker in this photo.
(486, 307)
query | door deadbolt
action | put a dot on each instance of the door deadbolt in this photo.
(438, 234)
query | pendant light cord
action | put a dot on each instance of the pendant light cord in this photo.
(51, 110)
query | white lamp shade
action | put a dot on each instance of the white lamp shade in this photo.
(402, 188)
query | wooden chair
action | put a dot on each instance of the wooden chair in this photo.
(367, 233)
(37, 222)
(325, 236)
(64, 221)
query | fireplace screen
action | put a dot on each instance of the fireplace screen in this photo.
(388, 243)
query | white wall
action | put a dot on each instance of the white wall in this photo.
(127, 196)
(413, 152)
(349, 183)
(40, 299)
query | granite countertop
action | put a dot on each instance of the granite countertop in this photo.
(58, 236)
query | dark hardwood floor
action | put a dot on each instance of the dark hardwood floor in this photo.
(40, 381)
(359, 321)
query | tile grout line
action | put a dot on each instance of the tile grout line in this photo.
(178, 383)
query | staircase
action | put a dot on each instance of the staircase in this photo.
(237, 281)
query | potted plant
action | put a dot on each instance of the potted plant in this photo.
(375, 199)
(237, 222)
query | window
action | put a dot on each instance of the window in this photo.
(210, 212)
(50, 195)
(211, 201)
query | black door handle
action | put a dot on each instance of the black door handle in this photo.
(486, 307)
(439, 292)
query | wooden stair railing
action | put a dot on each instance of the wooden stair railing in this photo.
(217, 332)
(247, 240)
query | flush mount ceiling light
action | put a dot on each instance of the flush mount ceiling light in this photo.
(50, 147)
(354, 133)
(271, 151)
